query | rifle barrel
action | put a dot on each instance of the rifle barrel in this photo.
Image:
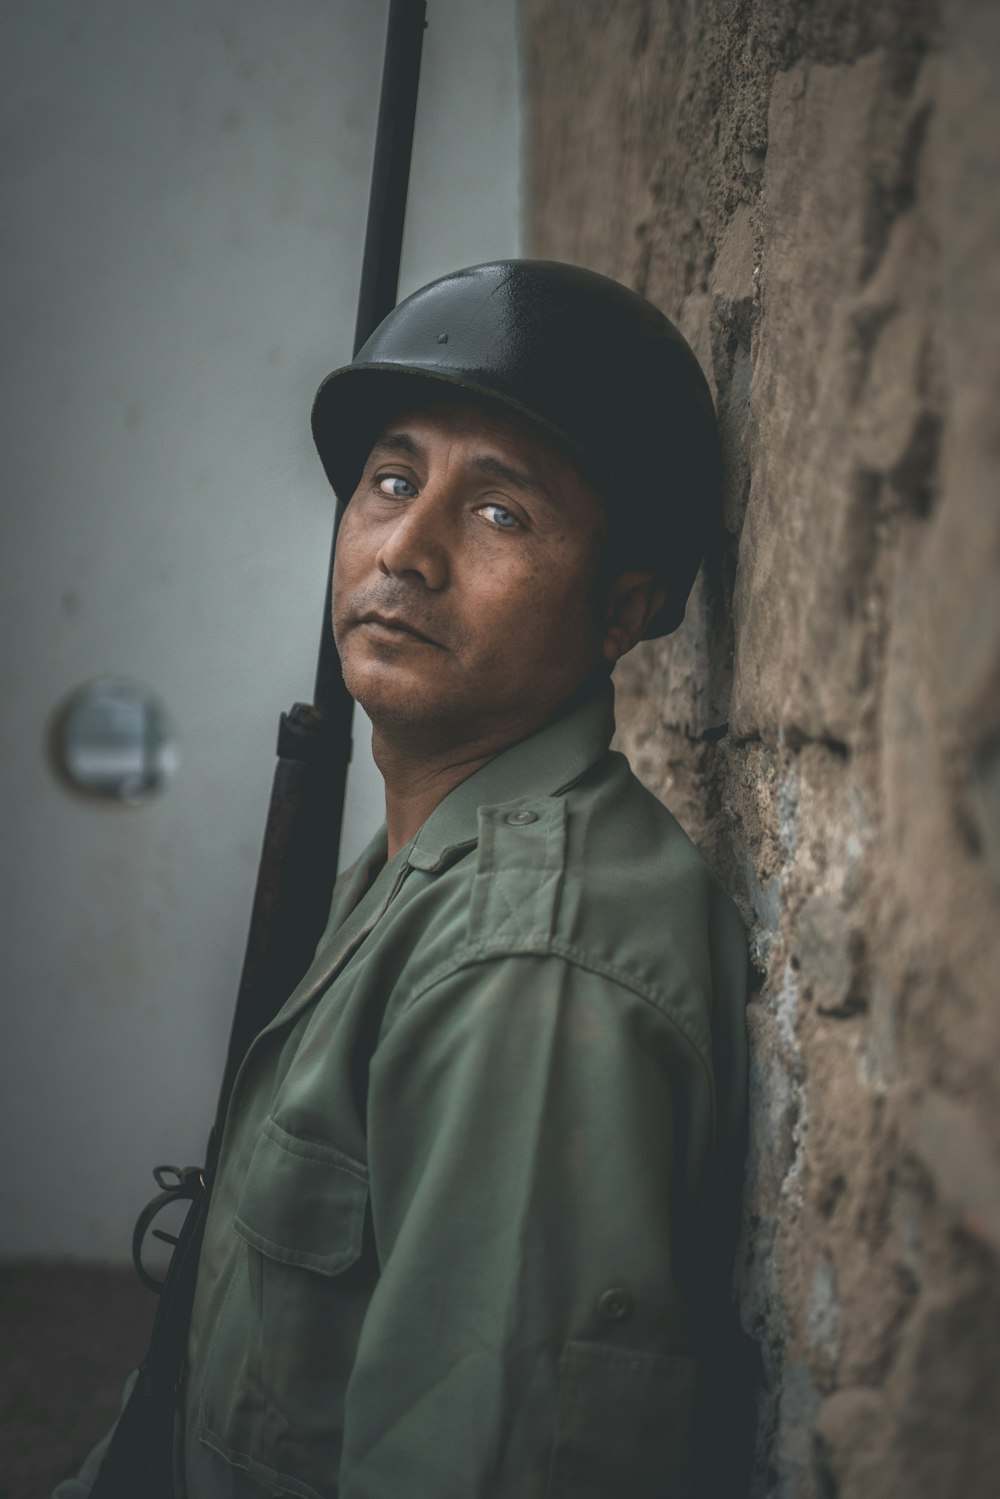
(391, 166)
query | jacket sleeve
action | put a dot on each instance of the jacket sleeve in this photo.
(80, 1486)
(526, 1337)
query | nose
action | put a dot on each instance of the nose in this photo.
(417, 541)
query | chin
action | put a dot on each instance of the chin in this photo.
(388, 694)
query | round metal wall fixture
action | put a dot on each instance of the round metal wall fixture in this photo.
(112, 739)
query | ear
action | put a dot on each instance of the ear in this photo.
(633, 599)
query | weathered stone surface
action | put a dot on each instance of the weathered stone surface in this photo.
(845, 289)
(851, 1430)
(957, 1149)
(810, 191)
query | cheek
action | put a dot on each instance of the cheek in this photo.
(349, 556)
(532, 621)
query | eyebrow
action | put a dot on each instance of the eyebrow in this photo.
(397, 442)
(484, 463)
(497, 469)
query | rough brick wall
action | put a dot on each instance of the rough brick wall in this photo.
(810, 191)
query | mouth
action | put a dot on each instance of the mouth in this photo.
(393, 627)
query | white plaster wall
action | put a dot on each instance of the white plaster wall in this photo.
(185, 184)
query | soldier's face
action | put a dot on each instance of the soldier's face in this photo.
(467, 598)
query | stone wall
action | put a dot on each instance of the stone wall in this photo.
(810, 191)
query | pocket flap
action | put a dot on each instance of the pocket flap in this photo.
(303, 1203)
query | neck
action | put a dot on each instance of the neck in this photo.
(419, 772)
(412, 793)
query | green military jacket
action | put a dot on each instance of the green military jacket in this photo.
(438, 1261)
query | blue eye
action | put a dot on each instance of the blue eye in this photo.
(397, 487)
(501, 517)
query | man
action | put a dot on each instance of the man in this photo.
(455, 1225)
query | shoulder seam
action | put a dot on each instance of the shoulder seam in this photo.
(475, 953)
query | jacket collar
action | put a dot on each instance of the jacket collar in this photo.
(543, 765)
(548, 762)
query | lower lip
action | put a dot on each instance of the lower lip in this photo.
(393, 634)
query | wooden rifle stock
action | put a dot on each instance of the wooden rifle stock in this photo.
(298, 864)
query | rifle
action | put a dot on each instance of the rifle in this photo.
(298, 863)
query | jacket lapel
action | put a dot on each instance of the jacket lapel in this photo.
(341, 940)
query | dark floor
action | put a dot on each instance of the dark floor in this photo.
(69, 1335)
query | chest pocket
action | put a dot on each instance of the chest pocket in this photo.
(303, 1203)
(286, 1328)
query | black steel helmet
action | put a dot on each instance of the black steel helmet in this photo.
(592, 365)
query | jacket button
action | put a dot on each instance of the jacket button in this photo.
(616, 1305)
(521, 819)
